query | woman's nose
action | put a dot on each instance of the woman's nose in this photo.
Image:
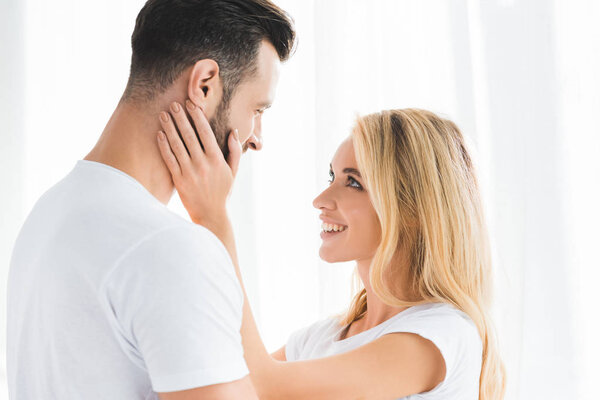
(324, 200)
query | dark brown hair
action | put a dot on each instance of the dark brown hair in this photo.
(171, 35)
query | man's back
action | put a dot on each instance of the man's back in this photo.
(112, 295)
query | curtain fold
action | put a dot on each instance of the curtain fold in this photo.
(12, 98)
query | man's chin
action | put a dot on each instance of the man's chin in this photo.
(225, 152)
(224, 146)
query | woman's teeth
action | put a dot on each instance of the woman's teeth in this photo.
(332, 227)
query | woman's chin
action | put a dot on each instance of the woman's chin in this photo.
(331, 257)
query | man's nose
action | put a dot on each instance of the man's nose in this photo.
(255, 142)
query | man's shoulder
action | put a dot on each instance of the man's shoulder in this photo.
(183, 246)
(182, 260)
(181, 234)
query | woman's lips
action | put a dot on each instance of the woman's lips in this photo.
(330, 228)
(330, 221)
(329, 235)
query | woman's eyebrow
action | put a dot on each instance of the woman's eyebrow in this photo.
(347, 171)
(352, 171)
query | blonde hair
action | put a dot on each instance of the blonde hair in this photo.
(423, 187)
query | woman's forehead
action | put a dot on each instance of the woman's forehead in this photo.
(344, 155)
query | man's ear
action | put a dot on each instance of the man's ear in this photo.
(205, 88)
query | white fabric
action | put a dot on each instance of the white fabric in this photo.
(113, 296)
(451, 330)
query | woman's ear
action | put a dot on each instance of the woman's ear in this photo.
(205, 88)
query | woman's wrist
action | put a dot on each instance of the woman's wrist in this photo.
(220, 225)
(215, 219)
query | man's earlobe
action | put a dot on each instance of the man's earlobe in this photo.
(204, 82)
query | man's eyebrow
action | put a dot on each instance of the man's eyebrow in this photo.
(264, 105)
(347, 171)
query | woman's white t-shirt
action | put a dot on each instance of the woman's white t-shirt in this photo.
(450, 329)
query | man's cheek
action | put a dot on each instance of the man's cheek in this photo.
(246, 131)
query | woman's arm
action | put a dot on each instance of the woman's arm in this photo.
(392, 366)
(279, 355)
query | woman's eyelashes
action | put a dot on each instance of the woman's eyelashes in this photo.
(354, 183)
(351, 182)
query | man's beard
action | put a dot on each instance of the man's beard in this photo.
(220, 126)
(222, 129)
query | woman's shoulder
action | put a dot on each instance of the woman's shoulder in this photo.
(451, 330)
(439, 319)
(436, 315)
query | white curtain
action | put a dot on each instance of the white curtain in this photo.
(519, 77)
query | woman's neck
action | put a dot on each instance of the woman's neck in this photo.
(377, 311)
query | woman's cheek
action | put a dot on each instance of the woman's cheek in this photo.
(366, 232)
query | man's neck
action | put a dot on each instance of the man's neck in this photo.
(128, 143)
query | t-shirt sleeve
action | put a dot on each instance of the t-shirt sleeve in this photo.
(295, 343)
(451, 331)
(298, 340)
(177, 304)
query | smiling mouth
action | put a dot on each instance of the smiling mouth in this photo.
(332, 228)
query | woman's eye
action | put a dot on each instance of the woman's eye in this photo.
(351, 181)
(354, 183)
(331, 177)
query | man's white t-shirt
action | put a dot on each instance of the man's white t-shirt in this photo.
(113, 296)
(450, 329)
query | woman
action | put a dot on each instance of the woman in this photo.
(403, 202)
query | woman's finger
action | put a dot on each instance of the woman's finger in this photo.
(205, 132)
(175, 142)
(167, 155)
(186, 130)
(235, 152)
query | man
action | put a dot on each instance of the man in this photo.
(110, 294)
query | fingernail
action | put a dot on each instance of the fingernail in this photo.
(175, 107)
(190, 106)
(236, 134)
(161, 135)
(164, 117)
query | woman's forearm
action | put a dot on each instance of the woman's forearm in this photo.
(340, 377)
(260, 363)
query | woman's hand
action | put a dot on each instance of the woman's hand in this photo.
(202, 177)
